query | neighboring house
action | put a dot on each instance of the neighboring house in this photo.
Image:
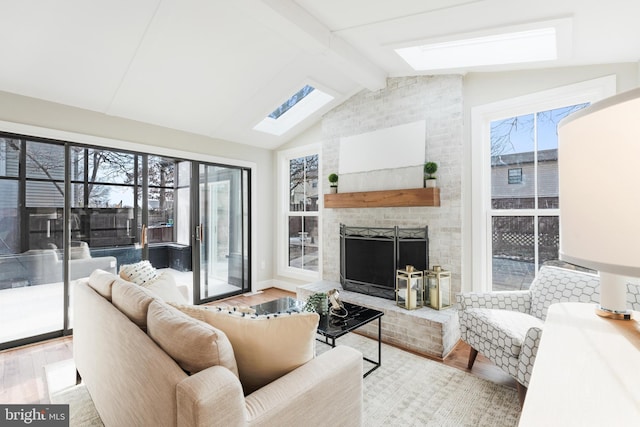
(513, 180)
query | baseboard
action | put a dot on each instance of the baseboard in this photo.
(265, 284)
(279, 284)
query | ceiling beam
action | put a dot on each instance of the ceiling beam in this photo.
(314, 36)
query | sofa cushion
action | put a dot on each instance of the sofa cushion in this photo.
(138, 273)
(266, 347)
(132, 300)
(101, 281)
(504, 328)
(164, 286)
(193, 344)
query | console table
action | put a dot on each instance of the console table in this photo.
(587, 370)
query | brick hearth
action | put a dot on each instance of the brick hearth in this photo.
(426, 331)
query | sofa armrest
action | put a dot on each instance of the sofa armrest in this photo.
(507, 300)
(528, 353)
(201, 396)
(326, 391)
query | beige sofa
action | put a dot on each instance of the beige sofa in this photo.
(132, 381)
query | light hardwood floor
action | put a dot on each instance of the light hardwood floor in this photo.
(22, 377)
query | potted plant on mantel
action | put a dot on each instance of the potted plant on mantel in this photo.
(429, 179)
(333, 180)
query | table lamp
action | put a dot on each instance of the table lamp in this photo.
(599, 158)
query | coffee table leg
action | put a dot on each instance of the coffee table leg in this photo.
(379, 362)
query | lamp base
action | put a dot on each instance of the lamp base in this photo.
(613, 314)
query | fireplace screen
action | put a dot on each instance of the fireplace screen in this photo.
(369, 257)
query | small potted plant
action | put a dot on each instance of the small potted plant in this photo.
(317, 303)
(333, 181)
(429, 179)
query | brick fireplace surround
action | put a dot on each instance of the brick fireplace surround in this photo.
(438, 101)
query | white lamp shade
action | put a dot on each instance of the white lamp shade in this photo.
(599, 163)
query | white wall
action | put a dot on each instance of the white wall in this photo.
(485, 88)
(42, 114)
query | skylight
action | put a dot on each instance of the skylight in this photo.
(298, 107)
(507, 48)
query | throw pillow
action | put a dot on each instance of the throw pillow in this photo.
(194, 345)
(266, 347)
(194, 311)
(164, 286)
(138, 273)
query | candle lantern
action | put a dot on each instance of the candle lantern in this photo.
(409, 288)
(438, 287)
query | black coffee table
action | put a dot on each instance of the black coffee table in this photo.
(330, 326)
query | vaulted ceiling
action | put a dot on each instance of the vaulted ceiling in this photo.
(218, 67)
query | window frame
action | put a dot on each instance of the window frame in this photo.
(283, 213)
(481, 118)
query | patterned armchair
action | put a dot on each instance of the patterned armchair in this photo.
(506, 327)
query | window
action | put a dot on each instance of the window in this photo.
(515, 198)
(525, 218)
(515, 176)
(300, 251)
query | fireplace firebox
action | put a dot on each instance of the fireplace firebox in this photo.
(370, 256)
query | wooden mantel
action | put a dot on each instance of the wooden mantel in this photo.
(387, 198)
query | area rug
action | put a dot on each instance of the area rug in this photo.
(409, 390)
(81, 410)
(60, 379)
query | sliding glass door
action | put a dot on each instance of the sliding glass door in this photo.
(31, 239)
(222, 231)
(68, 209)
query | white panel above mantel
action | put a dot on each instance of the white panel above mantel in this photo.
(390, 148)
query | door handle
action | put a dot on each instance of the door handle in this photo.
(200, 232)
(143, 235)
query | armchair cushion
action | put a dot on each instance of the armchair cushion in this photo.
(502, 328)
